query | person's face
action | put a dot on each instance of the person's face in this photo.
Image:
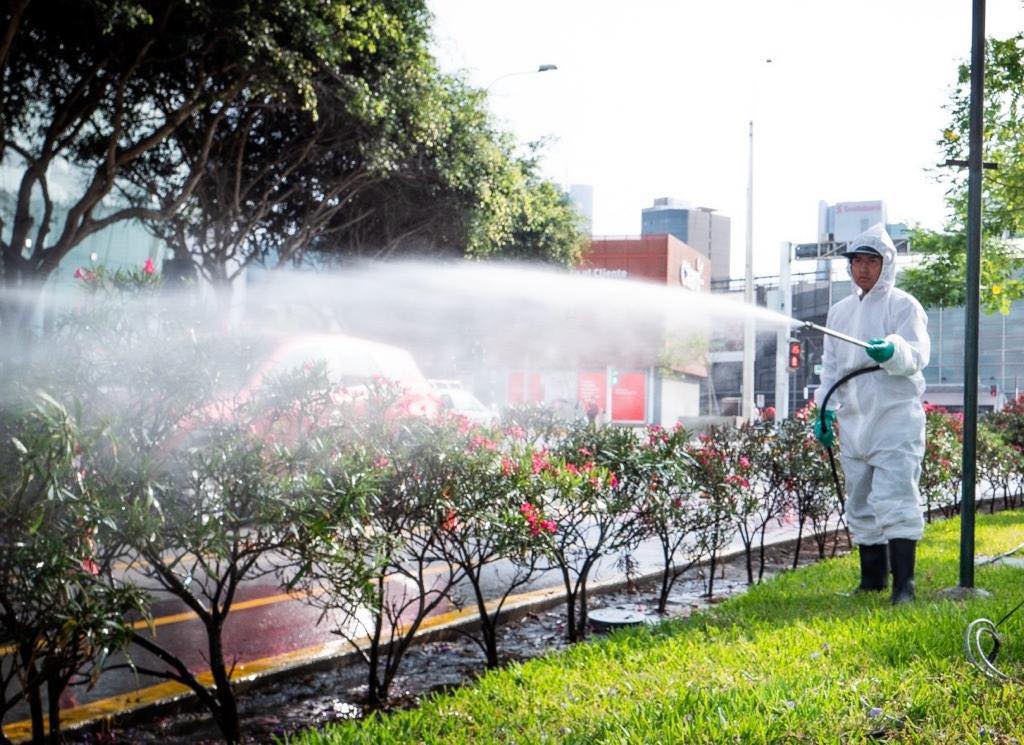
(865, 270)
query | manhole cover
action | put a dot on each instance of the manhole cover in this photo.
(606, 619)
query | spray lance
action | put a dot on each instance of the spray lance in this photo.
(835, 334)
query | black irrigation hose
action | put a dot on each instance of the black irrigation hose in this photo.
(821, 419)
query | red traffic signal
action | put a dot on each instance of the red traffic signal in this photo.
(795, 352)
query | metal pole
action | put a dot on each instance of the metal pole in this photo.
(972, 297)
(747, 388)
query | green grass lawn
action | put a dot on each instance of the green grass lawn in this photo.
(792, 660)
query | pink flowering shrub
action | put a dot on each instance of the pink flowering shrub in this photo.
(101, 281)
(940, 470)
(766, 500)
(803, 472)
(721, 478)
(585, 486)
(492, 512)
(1000, 466)
(671, 511)
(60, 617)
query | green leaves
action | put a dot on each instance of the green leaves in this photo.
(1003, 139)
(940, 280)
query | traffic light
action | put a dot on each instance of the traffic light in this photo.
(795, 352)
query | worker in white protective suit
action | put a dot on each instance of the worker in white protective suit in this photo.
(881, 418)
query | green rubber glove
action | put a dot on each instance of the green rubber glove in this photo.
(880, 349)
(823, 431)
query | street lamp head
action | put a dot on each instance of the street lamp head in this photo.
(545, 68)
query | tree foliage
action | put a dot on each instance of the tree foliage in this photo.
(239, 130)
(1002, 137)
(941, 279)
(100, 88)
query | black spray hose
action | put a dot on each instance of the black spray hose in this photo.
(821, 418)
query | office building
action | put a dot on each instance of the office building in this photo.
(582, 198)
(701, 228)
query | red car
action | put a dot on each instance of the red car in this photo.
(353, 364)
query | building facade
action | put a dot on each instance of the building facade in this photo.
(701, 228)
(657, 380)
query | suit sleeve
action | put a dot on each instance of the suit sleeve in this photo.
(910, 340)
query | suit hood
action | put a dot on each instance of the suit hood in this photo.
(877, 238)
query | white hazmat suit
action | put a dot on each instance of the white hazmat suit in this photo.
(881, 418)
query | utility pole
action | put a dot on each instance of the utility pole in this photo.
(747, 387)
(971, 309)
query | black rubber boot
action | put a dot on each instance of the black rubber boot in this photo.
(874, 568)
(901, 557)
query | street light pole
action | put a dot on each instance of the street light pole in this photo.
(747, 388)
(540, 68)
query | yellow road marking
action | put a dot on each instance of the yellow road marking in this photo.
(189, 615)
(244, 605)
(169, 691)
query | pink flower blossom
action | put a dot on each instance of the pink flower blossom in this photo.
(539, 461)
(148, 267)
(744, 462)
(479, 442)
(91, 567)
(507, 467)
(381, 462)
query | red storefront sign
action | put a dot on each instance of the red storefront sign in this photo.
(629, 394)
(525, 389)
(629, 397)
(591, 389)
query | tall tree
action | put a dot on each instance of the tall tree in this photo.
(101, 87)
(280, 174)
(458, 188)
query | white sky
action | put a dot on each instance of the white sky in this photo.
(652, 98)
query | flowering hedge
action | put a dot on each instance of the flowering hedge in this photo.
(352, 498)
